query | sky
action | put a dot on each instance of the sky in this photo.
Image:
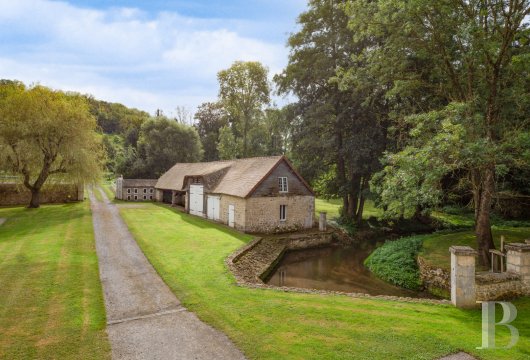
(150, 55)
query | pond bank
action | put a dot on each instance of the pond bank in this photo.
(254, 263)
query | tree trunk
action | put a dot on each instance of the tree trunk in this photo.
(353, 196)
(35, 199)
(360, 208)
(482, 224)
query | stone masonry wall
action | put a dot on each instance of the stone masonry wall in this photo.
(13, 194)
(433, 277)
(239, 210)
(498, 286)
(263, 214)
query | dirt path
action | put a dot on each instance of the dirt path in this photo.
(144, 318)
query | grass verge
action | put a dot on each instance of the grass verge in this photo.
(332, 207)
(189, 254)
(435, 250)
(51, 301)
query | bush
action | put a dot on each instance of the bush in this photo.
(395, 262)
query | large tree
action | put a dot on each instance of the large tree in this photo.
(209, 119)
(46, 133)
(462, 69)
(334, 130)
(244, 91)
(163, 142)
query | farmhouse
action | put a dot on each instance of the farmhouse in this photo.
(135, 189)
(262, 194)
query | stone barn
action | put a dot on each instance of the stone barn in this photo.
(135, 189)
(258, 195)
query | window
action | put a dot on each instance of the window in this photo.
(135, 197)
(128, 197)
(128, 191)
(151, 190)
(283, 212)
(150, 197)
(145, 197)
(282, 184)
(136, 191)
(145, 191)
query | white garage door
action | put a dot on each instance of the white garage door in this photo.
(213, 207)
(196, 200)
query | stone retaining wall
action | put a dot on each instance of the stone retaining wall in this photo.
(252, 263)
(432, 277)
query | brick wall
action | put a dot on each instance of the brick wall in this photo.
(13, 194)
(263, 213)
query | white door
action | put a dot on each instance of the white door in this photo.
(231, 215)
(213, 207)
(196, 200)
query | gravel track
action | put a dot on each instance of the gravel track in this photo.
(144, 318)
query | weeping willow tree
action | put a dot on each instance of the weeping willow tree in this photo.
(47, 134)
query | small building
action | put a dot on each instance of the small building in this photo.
(259, 195)
(135, 189)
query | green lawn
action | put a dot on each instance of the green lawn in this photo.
(107, 187)
(435, 248)
(189, 254)
(51, 302)
(332, 207)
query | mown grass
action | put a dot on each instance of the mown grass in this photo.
(51, 302)
(332, 207)
(189, 254)
(108, 189)
(435, 248)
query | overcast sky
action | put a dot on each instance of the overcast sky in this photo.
(144, 54)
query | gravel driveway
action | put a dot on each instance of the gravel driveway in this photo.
(144, 318)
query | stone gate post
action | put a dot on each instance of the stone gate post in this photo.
(518, 262)
(463, 292)
(322, 223)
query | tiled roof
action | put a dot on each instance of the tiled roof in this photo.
(240, 177)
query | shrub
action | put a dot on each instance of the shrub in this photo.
(395, 262)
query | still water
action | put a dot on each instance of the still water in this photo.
(334, 268)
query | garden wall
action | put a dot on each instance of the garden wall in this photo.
(14, 194)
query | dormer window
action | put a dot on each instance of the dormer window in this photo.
(282, 184)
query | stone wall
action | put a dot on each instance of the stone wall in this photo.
(498, 286)
(263, 214)
(239, 210)
(434, 278)
(468, 287)
(14, 194)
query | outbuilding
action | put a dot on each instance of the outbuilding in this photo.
(258, 195)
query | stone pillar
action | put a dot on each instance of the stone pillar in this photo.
(322, 223)
(463, 292)
(518, 262)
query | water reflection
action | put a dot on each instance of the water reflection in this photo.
(334, 268)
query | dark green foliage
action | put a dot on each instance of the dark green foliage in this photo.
(162, 143)
(395, 262)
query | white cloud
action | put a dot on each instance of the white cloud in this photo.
(123, 54)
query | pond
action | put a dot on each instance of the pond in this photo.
(335, 269)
